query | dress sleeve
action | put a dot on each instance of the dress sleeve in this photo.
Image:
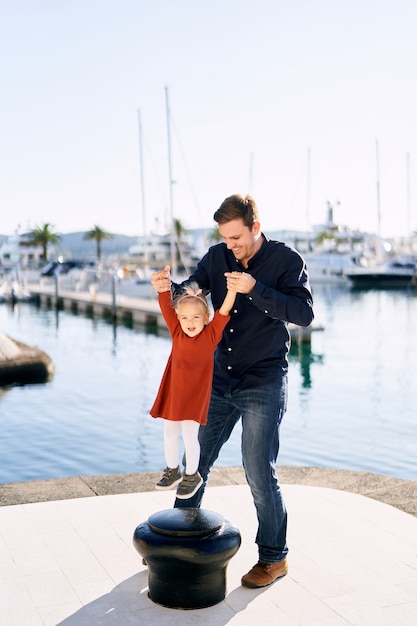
(167, 308)
(217, 326)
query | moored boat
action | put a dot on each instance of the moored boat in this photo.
(399, 272)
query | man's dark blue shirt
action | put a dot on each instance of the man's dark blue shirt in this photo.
(256, 341)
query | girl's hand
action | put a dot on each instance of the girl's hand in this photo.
(241, 282)
(161, 281)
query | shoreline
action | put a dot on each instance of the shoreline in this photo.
(396, 492)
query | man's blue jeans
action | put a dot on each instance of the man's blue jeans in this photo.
(261, 409)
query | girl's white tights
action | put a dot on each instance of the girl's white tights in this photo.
(189, 431)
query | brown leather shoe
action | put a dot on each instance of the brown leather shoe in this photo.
(264, 574)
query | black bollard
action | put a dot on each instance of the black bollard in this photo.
(187, 551)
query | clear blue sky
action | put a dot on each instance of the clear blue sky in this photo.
(253, 86)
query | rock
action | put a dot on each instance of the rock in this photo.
(22, 364)
(8, 348)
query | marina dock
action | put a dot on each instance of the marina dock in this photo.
(123, 308)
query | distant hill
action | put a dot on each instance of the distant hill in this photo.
(73, 245)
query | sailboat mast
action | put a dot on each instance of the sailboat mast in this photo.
(378, 195)
(308, 198)
(408, 197)
(171, 184)
(142, 190)
(250, 173)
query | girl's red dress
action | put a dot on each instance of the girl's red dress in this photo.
(184, 392)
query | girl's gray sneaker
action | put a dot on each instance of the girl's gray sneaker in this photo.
(170, 478)
(189, 485)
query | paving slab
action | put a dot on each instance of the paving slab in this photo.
(71, 562)
(394, 491)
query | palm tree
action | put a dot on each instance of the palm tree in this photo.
(215, 235)
(98, 234)
(43, 236)
(324, 235)
(179, 231)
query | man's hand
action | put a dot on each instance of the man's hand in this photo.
(241, 282)
(161, 281)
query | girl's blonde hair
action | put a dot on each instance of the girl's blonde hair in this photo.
(191, 291)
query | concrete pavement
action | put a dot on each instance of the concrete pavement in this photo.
(67, 558)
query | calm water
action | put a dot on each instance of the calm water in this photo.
(352, 402)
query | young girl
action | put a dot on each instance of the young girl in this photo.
(184, 393)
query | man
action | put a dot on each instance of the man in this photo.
(250, 369)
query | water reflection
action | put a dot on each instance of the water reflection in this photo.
(352, 393)
(303, 354)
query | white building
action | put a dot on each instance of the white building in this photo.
(15, 252)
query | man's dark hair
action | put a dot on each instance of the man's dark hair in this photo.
(237, 207)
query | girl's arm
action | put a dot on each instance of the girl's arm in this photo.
(228, 302)
(230, 298)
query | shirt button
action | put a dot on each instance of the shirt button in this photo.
(266, 311)
(229, 349)
(234, 310)
(250, 298)
(231, 330)
(229, 367)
